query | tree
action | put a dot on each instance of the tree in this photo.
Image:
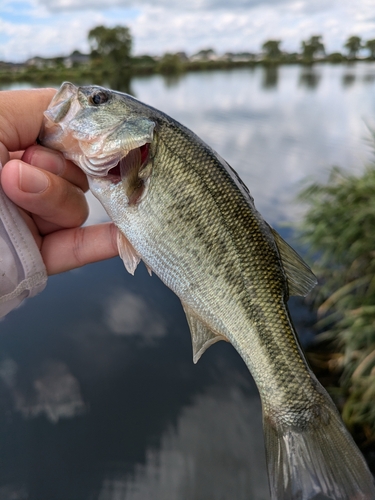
(170, 64)
(271, 48)
(353, 44)
(370, 45)
(111, 46)
(312, 47)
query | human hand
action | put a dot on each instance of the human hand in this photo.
(48, 189)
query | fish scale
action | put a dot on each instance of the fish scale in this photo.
(258, 270)
(193, 222)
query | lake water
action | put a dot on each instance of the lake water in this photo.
(99, 398)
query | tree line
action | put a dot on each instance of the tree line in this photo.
(112, 46)
(111, 49)
(314, 47)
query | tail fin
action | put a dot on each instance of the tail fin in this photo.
(321, 459)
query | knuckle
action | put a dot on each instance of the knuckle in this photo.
(71, 207)
(113, 231)
(79, 246)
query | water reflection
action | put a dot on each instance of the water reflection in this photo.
(50, 390)
(88, 414)
(348, 79)
(309, 78)
(120, 81)
(369, 77)
(212, 438)
(55, 393)
(13, 492)
(172, 80)
(129, 314)
(274, 139)
(270, 76)
(99, 398)
(308, 123)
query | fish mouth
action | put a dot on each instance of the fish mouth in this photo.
(61, 103)
(133, 171)
(126, 164)
(101, 142)
(61, 131)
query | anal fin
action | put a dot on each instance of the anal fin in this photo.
(202, 336)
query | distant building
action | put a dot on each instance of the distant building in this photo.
(238, 56)
(204, 55)
(9, 66)
(76, 58)
(182, 56)
(41, 62)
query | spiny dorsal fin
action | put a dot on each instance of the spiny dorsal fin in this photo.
(201, 335)
(128, 254)
(301, 280)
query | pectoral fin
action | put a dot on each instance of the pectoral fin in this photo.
(127, 253)
(301, 280)
(201, 335)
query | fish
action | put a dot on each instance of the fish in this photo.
(183, 211)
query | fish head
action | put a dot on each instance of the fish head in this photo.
(106, 133)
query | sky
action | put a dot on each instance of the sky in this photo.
(51, 28)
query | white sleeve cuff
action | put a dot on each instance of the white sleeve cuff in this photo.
(22, 271)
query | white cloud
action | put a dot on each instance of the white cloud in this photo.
(25, 40)
(49, 28)
(247, 29)
(176, 5)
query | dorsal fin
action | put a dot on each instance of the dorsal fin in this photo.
(201, 335)
(301, 280)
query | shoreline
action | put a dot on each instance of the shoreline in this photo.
(137, 68)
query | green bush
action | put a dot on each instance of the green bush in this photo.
(339, 229)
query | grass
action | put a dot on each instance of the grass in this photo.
(339, 230)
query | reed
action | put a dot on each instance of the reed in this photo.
(339, 230)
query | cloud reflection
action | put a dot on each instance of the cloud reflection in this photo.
(8, 372)
(53, 392)
(275, 126)
(214, 451)
(278, 129)
(129, 314)
(13, 492)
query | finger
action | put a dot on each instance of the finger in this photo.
(71, 248)
(54, 162)
(22, 115)
(4, 155)
(16, 155)
(53, 201)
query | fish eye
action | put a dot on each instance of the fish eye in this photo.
(98, 98)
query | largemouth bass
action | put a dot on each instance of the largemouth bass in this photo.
(185, 212)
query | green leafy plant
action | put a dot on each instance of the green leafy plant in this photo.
(339, 230)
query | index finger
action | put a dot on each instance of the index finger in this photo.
(21, 116)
